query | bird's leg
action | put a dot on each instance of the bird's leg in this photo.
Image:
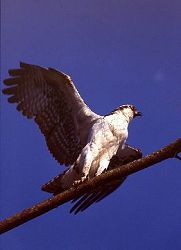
(103, 165)
(83, 164)
(105, 158)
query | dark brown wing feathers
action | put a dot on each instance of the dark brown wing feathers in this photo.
(44, 94)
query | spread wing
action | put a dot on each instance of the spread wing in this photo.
(50, 97)
(123, 156)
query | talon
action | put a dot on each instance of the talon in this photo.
(78, 182)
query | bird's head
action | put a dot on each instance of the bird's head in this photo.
(129, 111)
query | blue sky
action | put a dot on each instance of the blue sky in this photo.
(117, 52)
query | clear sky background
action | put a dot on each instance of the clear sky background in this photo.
(117, 52)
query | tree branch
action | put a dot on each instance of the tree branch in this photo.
(170, 151)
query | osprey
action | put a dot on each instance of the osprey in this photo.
(87, 143)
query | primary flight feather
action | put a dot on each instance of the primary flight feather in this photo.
(76, 136)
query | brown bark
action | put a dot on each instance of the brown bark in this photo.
(170, 151)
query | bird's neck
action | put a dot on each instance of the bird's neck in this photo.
(118, 119)
(123, 115)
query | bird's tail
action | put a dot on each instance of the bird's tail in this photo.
(62, 181)
(54, 185)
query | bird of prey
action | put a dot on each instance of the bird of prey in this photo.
(85, 142)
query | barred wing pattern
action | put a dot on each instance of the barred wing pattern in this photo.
(50, 97)
(123, 156)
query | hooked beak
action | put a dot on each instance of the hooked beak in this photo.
(137, 113)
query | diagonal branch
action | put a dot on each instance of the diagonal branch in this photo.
(170, 151)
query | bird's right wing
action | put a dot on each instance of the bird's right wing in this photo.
(50, 97)
(123, 156)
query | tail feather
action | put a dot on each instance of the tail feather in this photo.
(62, 181)
(54, 185)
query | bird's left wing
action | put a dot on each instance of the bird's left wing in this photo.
(123, 156)
(50, 97)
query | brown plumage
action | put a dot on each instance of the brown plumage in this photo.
(76, 137)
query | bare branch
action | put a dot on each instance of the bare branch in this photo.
(170, 151)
